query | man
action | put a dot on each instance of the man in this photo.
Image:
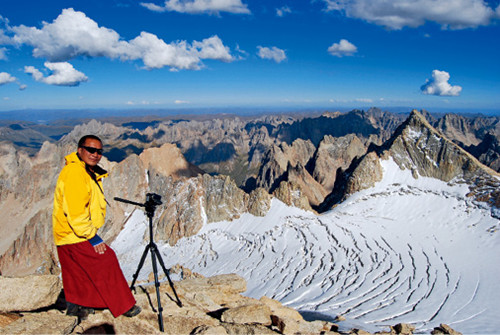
(91, 274)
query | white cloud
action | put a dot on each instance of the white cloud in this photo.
(63, 74)
(356, 100)
(6, 78)
(438, 85)
(3, 53)
(343, 48)
(22, 87)
(240, 54)
(212, 48)
(4, 39)
(200, 6)
(273, 53)
(70, 35)
(73, 34)
(283, 10)
(180, 102)
(454, 14)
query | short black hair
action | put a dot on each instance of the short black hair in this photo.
(82, 141)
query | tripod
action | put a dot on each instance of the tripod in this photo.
(152, 200)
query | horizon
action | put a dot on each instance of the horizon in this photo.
(47, 116)
(188, 54)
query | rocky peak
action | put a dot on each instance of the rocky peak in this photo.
(103, 130)
(332, 154)
(418, 146)
(488, 151)
(168, 161)
(312, 190)
(458, 128)
(277, 160)
(291, 194)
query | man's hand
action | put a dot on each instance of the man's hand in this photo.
(100, 248)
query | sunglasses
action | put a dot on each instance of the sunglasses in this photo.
(92, 150)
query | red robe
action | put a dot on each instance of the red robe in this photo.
(94, 280)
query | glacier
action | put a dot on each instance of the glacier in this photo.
(407, 250)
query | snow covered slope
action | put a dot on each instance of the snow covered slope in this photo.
(406, 250)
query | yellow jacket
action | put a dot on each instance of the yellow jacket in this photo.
(79, 204)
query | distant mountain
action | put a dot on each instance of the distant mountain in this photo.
(418, 147)
(248, 162)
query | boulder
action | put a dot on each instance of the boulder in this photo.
(51, 322)
(250, 314)
(244, 329)
(28, 293)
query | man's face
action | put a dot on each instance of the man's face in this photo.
(86, 156)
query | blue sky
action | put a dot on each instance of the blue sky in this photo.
(123, 54)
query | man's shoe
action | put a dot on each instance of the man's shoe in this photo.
(133, 311)
(80, 311)
(72, 309)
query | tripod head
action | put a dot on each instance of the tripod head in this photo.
(152, 200)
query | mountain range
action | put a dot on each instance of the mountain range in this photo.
(377, 216)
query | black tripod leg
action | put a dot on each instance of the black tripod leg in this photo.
(141, 263)
(157, 285)
(155, 250)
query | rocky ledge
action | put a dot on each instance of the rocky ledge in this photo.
(34, 305)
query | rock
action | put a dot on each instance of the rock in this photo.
(238, 329)
(6, 318)
(28, 293)
(418, 147)
(206, 330)
(169, 161)
(282, 311)
(215, 291)
(182, 212)
(356, 331)
(458, 128)
(259, 202)
(278, 159)
(288, 321)
(404, 328)
(250, 314)
(223, 199)
(333, 154)
(51, 322)
(367, 173)
(312, 190)
(445, 329)
(292, 195)
(211, 305)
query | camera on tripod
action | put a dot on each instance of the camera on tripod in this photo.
(153, 199)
